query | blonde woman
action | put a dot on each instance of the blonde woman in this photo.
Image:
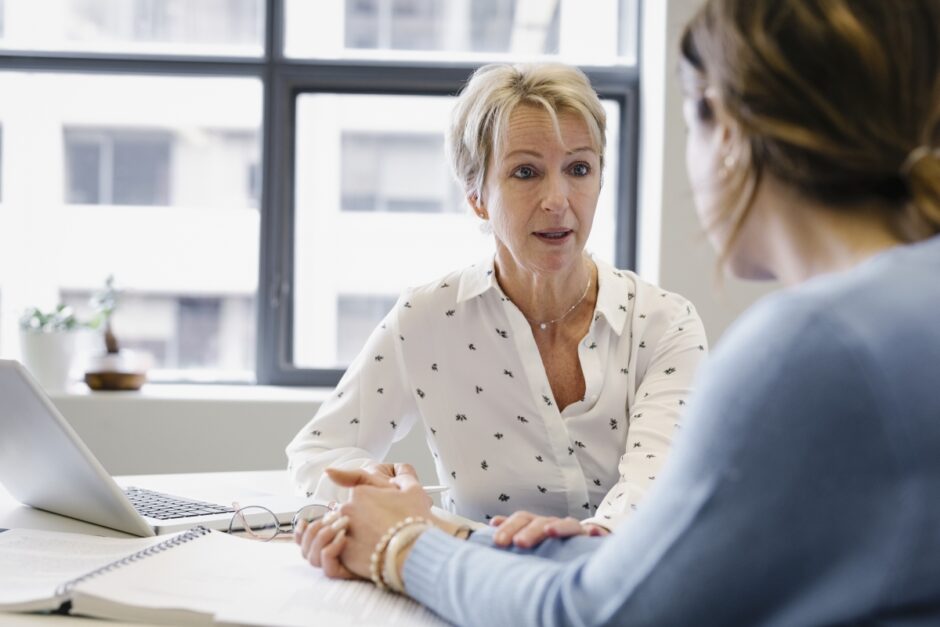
(544, 379)
(805, 489)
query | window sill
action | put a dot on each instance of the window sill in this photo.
(199, 392)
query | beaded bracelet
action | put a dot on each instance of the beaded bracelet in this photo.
(404, 538)
(378, 553)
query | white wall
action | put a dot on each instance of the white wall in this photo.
(183, 429)
(188, 428)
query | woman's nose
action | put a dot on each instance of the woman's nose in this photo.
(555, 193)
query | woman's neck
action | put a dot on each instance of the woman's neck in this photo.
(545, 297)
(815, 240)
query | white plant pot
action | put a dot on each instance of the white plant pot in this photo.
(48, 356)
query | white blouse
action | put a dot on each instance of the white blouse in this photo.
(458, 358)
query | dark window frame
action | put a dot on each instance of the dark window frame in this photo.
(283, 80)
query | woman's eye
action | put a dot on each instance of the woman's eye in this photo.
(524, 172)
(580, 169)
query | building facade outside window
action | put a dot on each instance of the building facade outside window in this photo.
(263, 177)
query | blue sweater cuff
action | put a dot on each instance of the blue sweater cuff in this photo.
(427, 558)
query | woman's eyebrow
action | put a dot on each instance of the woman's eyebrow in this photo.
(535, 153)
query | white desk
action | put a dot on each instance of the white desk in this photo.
(214, 486)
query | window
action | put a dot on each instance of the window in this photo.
(263, 177)
(117, 167)
(390, 171)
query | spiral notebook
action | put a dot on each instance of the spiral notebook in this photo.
(198, 577)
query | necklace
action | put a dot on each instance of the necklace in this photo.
(544, 325)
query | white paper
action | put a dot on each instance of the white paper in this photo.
(302, 595)
(34, 563)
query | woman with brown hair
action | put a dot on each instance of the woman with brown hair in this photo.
(805, 489)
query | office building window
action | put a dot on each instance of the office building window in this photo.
(464, 29)
(117, 167)
(178, 27)
(131, 136)
(396, 172)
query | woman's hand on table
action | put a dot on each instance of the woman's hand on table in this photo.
(526, 530)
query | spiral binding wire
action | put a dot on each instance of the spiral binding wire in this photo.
(196, 532)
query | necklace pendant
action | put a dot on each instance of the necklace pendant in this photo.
(543, 326)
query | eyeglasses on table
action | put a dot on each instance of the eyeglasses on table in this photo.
(256, 522)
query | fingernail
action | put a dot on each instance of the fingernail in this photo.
(340, 523)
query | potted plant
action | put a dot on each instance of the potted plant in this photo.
(47, 342)
(116, 368)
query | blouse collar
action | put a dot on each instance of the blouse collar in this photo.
(614, 298)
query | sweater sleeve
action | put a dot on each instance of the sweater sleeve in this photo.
(661, 396)
(370, 409)
(758, 518)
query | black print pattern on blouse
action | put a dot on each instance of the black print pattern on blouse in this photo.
(461, 418)
(393, 423)
(434, 367)
(478, 389)
(471, 347)
(539, 459)
(669, 370)
(498, 435)
(484, 465)
(420, 393)
(508, 373)
(522, 419)
(501, 333)
(503, 497)
(354, 421)
(379, 357)
(613, 424)
(316, 432)
(449, 313)
(541, 489)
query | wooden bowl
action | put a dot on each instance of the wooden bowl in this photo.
(115, 380)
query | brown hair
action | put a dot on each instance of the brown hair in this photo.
(831, 97)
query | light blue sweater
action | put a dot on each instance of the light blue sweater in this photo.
(804, 490)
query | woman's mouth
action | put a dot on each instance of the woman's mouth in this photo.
(554, 236)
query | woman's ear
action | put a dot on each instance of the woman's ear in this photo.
(728, 138)
(473, 199)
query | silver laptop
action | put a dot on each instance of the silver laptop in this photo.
(44, 464)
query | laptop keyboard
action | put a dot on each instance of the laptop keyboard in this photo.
(164, 507)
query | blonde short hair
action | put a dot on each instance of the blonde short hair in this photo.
(489, 98)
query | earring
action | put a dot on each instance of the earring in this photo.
(728, 164)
